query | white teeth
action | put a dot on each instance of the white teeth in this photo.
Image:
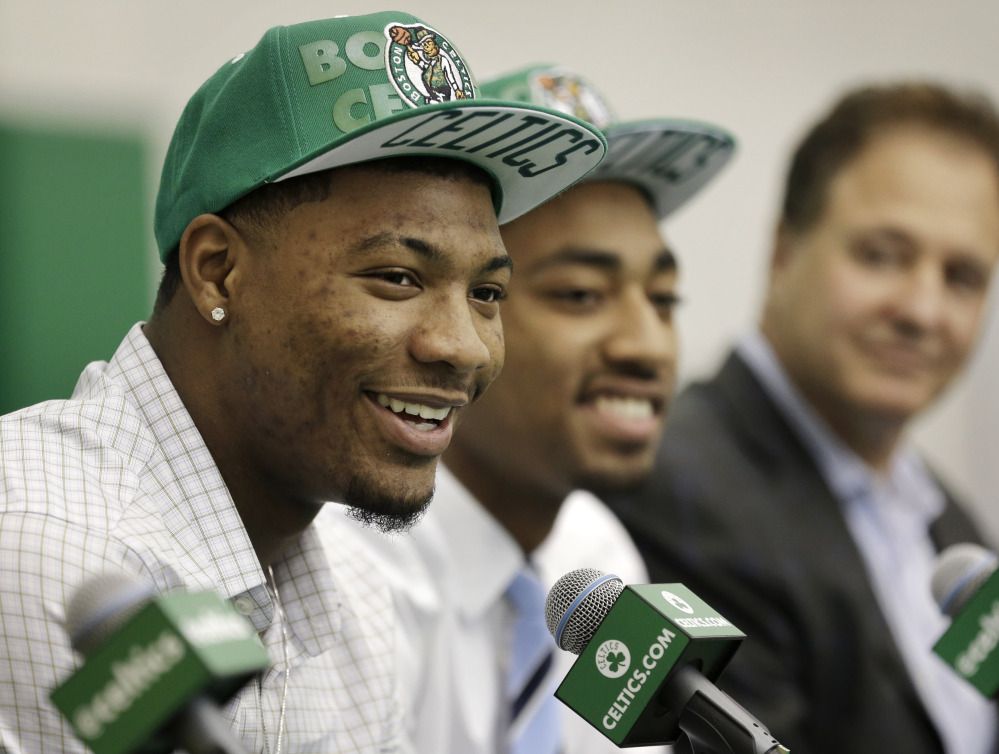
(628, 408)
(424, 427)
(415, 410)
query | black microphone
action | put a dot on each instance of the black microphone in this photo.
(157, 668)
(966, 586)
(648, 656)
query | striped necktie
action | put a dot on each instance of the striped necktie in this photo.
(534, 713)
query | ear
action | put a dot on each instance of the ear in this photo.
(208, 253)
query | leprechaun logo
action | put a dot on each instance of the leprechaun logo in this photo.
(425, 67)
(568, 93)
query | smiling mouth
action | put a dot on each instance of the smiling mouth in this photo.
(625, 407)
(902, 359)
(632, 419)
(417, 415)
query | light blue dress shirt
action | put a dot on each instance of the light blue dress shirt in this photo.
(889, 516)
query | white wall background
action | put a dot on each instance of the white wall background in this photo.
(761, 68)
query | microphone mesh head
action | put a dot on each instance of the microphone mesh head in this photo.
(959, 573)
(582, 622)
(101, 606)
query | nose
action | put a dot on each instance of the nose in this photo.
(640, 337)
(450, 332)
(920, 302)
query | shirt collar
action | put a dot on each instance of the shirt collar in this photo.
(849, 477)
(310, 596)
(201, 511)
(486, 555)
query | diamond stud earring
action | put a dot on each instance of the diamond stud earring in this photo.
(218, 313)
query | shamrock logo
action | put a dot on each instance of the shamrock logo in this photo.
(613, 658)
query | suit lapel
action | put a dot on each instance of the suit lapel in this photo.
(768, 438)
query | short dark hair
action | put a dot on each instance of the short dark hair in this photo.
(263, 207)
(863, 113)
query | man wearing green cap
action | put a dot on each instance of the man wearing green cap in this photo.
(591, 355)
(328, 313)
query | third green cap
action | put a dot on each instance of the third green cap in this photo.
(670, 159)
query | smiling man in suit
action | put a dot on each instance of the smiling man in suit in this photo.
(786, 493)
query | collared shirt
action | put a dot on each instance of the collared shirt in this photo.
(117, 479)
(449, 575)
(889, 516)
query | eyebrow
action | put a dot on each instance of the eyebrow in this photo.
(664, 260)
(428, 251)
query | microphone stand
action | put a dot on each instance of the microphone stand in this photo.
(712, 721)
(200, 728)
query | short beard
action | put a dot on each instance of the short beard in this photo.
(389, 515)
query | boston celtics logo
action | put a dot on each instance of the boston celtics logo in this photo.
(613, 658)
(678, 602)
(568, 93)
(425, 67)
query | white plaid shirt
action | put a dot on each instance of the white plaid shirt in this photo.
(119, 478)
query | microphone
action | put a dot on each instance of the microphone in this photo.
(648, 656)
(156, 668)
(966, 587)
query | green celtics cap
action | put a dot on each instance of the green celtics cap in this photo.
(669, 159)
(340, 91)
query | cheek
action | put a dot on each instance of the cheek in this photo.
(671, 338)
(552, 373)
(493, 336)
(537, 342)
(841, 301)
(298, 360)
(356, 342)
(963, 330)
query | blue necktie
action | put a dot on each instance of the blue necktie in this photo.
(534, 712)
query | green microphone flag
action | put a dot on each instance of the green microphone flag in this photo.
(177, 647)
(969, 644)
(615, 684)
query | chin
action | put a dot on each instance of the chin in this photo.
(388, 508)
(615, 478)
(898, 403)
(387, 522)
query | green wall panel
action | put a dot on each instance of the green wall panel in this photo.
(73, 259)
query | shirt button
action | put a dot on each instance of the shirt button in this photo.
(243, 605)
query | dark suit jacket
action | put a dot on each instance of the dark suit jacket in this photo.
(738, 511)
